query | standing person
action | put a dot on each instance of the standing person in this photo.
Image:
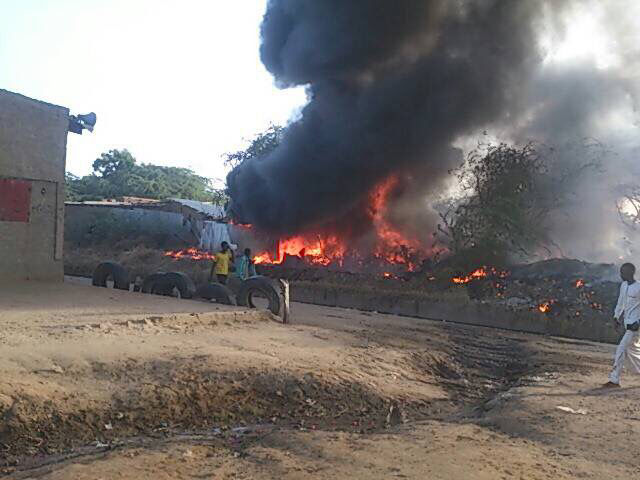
(223, 260)
(246, 267)
(628, 308)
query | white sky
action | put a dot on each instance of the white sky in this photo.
(176, 82)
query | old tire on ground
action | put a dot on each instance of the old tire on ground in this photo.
(234, 283)
(166, 284)
(112, 270)
(217, 292)
(262, 286)
(149, 283)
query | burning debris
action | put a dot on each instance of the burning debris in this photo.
(545, 307)
(387, 98)
(482, 272)
(191, 253)
(546, 287)
(317, 251)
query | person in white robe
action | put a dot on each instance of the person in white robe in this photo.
(628, 310)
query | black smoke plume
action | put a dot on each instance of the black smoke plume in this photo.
(391, 85)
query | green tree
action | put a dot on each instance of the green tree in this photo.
(116, 174)
(114, 162)
(507, 197)
(262, 144)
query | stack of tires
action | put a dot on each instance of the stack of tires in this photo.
(179, 285)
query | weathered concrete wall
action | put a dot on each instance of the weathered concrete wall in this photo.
(471, 312)
(86, 222)
(33, 142)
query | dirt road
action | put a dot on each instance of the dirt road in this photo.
(101, 384)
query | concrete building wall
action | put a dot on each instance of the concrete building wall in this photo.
(33, 142)
(84, 222)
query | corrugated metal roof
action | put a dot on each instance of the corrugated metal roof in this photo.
(215, 211)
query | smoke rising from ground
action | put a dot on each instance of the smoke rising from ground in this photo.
(392, 86)
(573, 100)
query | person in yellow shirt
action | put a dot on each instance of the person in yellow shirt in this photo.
(222, 263)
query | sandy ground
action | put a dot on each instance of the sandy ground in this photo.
(100, 384)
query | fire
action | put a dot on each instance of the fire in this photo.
(318, 251)
(262, 258)
(477, 273)
(579, 283)
(391, 246)
(545, 307)
(192, 253)
(242, 225)
(481, 272)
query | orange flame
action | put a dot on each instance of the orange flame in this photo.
(262, 258)
(318, 251)
(481, 272)
(545, 307)
(242, 225)
(391, 246)
(192, 253)
(477, 273)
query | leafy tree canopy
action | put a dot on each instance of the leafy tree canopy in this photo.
(116, 173)
(508, 196)
(261, 145)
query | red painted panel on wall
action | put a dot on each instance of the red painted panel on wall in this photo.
(15, 200)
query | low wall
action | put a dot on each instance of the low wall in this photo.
(83, 222)
(596, 329)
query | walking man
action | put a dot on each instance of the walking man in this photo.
(628, 308)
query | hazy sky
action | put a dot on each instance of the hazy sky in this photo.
(176, 82)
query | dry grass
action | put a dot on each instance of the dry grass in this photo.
(139, 260)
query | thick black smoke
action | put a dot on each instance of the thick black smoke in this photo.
(391, 85)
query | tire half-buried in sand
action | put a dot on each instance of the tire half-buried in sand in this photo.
(260, 287)
(217, 292)
(175, 282)
(149, 283)
(113, 271)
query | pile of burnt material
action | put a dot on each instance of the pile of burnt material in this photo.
(555, 288)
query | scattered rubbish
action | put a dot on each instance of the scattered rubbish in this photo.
(580, 411)
(497, 400)
(395, 416)
(53, 369)
(188, 454)
(514, 302)
(108, 426)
